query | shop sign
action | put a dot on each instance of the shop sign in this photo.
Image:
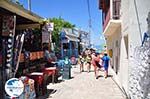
(45, 35)
(46, 32)
(50, 26)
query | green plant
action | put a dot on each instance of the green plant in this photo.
(59, 23)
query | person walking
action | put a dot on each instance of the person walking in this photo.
(88, 62)
(49, 57)
(96, 63)
(81, 62)
(106, 62)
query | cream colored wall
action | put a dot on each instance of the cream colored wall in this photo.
(111, 44)
(124, 69)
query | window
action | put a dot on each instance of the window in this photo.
(126, 44)
(65, 46)
(117, 43)
(111, 53)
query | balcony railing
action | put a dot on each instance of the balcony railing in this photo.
(106, 20)
(115, 13)
(116, 9)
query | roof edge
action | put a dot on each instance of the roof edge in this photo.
(21, 11)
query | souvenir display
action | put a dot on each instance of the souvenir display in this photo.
(29, 91)
(8, 33)
(17, 51)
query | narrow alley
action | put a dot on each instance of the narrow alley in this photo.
(42, 42)
(84, 86)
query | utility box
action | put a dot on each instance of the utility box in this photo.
(66, 69)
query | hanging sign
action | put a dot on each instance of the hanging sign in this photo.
(50, 26)
(45, 35)
(46, 30)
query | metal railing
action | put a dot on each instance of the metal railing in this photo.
(115, 13)
(116, 9)
(106, 19)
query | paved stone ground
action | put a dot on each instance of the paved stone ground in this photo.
(84, 86)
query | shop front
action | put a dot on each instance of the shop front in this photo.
(69, 44)
(20, 41)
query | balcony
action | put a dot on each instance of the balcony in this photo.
(112, 20)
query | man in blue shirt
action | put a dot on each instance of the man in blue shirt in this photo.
(49, 57)
(106, 60)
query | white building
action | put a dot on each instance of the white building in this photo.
(69, 42)
(84, 39)
(124, 24)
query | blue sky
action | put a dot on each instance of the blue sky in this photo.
(74, 11)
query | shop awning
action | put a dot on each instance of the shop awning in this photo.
(70, 35)
(23, 15)
(72, 38)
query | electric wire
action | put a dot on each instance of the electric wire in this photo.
(90, 25)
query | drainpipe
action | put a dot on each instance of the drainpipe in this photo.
(138, 20)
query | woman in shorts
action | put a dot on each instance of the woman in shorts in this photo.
(88, 62)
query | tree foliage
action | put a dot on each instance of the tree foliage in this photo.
(59, 23)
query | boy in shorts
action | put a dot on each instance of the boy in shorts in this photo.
(106, 60)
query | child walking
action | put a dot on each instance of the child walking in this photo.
(106, 60)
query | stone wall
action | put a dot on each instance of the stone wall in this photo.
(139, 81)
(139, 75)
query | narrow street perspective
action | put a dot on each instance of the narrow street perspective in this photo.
(74, 49)
(85, 86)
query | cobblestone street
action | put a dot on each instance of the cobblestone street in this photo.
(84, 86)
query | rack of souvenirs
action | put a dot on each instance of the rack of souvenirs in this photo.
(29, 89)
(28, 60)
(21, 51)
(22, 55)
(32, 64)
